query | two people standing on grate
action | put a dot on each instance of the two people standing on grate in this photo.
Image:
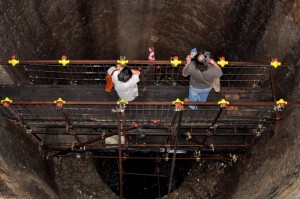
(125, 81)
(202, 71)
(199, 66)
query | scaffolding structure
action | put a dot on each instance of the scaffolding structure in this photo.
(220, 129)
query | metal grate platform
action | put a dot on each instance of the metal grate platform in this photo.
(152, 123)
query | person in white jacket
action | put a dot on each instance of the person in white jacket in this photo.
(125, 82)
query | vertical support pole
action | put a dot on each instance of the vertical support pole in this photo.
(124, 131)
(216, 119)
(234, 128)
(172, 124)
(158, 185)
(70, 126)
(273, 93)
(120, 156)
(158, 177)
(272, 84)
(174, 155)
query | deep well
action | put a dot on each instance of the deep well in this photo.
(245, 150)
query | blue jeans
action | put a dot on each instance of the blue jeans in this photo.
(198, 95)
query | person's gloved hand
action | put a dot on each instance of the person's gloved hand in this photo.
(188, 59)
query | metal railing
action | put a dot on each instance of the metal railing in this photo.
(48, 72)
(79, 128)
(143, 113)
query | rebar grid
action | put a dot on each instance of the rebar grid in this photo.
(43, 115)
(75, 126)
(236, 74)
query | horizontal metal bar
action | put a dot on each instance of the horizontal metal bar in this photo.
(99, 72)
(232, 103)
(147, 134)
(140, 145)
(145, 158)
(143, 174)
(99, 79)
(46, 62)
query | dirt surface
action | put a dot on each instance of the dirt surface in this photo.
(23, 173)
(78, 178)
(206, 180)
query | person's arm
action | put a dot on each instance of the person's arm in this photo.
(217, 68)
(132, 81)
(111, 69)
(214, 63)
(136, 72)
(185, 68)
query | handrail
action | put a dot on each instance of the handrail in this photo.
(232, 103)
(45, 62)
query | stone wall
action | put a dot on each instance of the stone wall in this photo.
(23, 173)
(252, 30)
(272, 169)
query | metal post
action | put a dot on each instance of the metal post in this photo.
(174, 154)
(172, 125)
(70, 127)
(212, 126)
(158, 176)
(272, 84)
(273, 93)
(120, 157)
(142, 174)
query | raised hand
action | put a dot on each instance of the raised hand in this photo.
(188, 59)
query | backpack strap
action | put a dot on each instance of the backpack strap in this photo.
(113, 72)
(204, 79)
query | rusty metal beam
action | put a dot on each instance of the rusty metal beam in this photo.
(142, 62)
(175, 153)
(81, 144)
(147, 134)
(146, 158)
(272, 84)
(69, 125)
(232, 103)
(67, 119)
(136, 145)
(157, 170)
(120, 156)
(171, 128)
(212, 126)
(273, 90)
(143, 174)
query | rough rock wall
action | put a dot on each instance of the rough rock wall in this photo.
(245, 30)
(106, 29)
(210, 179)
(78, 178)
(48, 29)
(281, 37)
(23, 173)
(272, 169)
